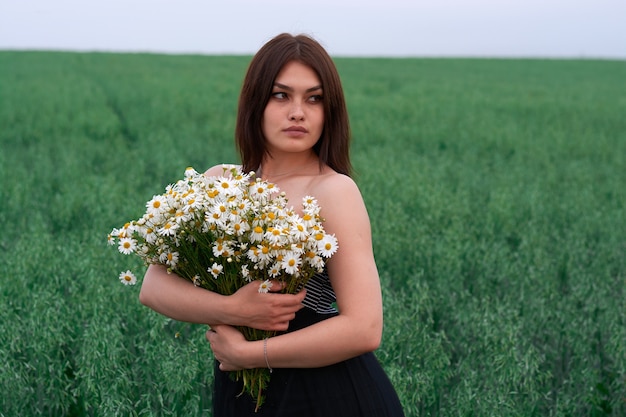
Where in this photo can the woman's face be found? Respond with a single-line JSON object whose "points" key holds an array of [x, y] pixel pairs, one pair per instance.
{"points": [[293, 119]]}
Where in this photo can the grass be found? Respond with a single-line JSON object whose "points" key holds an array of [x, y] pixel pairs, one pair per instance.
{"points": [[496, 189]]}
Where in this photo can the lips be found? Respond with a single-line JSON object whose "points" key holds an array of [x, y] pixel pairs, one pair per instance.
{"points": [[296, 129]]}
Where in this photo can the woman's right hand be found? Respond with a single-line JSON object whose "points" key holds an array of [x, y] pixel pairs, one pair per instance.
{"points": [[265, 311], [179, 299]]}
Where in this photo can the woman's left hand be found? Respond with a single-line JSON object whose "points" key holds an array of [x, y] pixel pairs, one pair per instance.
{"points": [[227, 344]]}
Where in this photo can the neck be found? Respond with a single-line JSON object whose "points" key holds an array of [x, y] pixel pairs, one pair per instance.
{"points": [[271, 168]]}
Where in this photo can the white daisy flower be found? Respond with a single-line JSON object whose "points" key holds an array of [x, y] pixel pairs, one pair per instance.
{"points": [[169, 258], [212, 194], [245, 273], [327, 246], [240, 227], [257, 234], [274, 235], [259, 190], [120, 233], [127, 245], [215, 269], [128, 278], [309, 205], [308, 220], [291, 263], [213, 218], [265, 286], [157, 204], [168, 229], [264, 253], [182, 216], [244, 206], [227, 186], [273, 188], [220, 211], [192, 204], [299, 231], [196, 280], [190, 173], [253, 254], [274, 271], [221, 248], [317, 262], [241, 178], [149, 234], [297, 248]]}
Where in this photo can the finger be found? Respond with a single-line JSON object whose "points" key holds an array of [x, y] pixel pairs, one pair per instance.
{"points": [[209, 334], [216, 328], [301, 295], [276, 286]]}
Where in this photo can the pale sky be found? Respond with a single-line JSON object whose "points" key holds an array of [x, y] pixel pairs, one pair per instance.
{"points": [[471, 28]]}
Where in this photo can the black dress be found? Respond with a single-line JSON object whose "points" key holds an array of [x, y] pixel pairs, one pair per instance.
{"points": [[357, 387]]}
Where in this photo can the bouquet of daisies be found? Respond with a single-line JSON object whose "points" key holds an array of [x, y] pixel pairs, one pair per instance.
{"points": [[224, 232]]}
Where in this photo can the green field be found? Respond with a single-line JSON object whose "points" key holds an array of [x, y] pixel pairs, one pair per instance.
{"points": [[496, 190]]}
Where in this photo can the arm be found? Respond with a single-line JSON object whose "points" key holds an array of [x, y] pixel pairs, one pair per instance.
{"points": [[179, 299], [352, 270]]}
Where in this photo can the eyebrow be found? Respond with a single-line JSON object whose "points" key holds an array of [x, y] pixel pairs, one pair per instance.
{"points": [[286, 87]]}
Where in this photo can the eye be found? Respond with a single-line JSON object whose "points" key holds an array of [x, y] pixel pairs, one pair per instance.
{"points": [[317, 98], [279, 95]]}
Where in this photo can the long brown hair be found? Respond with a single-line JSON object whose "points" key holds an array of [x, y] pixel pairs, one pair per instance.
{"points": [[333, 146]]}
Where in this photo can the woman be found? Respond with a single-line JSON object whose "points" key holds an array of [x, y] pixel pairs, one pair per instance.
{"points": [[292, 130]]}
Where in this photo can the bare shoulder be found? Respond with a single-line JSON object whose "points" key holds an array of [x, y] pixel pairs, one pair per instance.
{"points": [[219, 170], [334, 183], [337, 192]]}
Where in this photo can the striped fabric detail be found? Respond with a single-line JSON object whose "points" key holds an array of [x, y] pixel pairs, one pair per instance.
{"points": [[320, 295]]}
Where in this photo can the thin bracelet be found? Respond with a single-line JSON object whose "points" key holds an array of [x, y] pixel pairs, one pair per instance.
{"points": [[265, 354]]}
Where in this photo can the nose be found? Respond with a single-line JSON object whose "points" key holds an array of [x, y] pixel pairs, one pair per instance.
{"points": [[296, 112]]}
